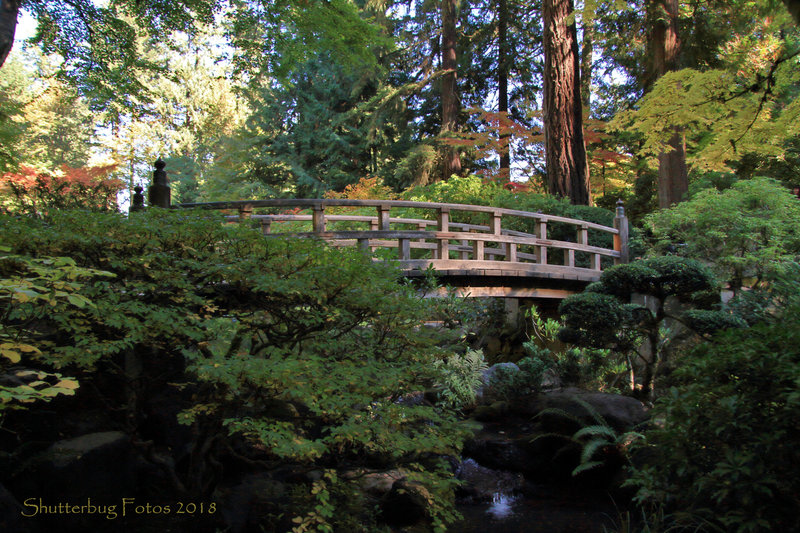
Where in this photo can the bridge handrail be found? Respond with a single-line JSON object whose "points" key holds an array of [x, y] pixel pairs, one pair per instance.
{"points": [[470, 241], [336, 202], [367, 218]]}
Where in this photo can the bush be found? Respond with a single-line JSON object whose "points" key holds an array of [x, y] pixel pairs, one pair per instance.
{"points": [[291, 350], [603, 317], [33, 289], [742, 232], [508, 383], [34, 192], [724, 451]]}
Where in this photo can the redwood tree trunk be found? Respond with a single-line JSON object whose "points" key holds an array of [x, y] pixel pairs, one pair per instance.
{"points": [[9, 10], [586, 65], [673, 174], [794, 9], [452, 161], [565, 150], [502, 80]]}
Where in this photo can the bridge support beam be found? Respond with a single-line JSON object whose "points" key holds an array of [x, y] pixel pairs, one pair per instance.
{"points": [[511, 306]]}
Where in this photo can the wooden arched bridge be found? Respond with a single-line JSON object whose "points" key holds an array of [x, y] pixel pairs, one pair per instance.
{"points": [[488, 252], [481, 251]]}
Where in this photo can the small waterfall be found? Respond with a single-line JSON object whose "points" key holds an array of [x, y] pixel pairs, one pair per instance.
{"points": [[501, 506]]}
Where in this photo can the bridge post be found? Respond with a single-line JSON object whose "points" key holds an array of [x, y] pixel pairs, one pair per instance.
{"points": [[511, 252], [158, 194], [496, 225], [477, 250], [421, 227], [583, 237], [621, 238], [383, 217], [541, 233], [137, 201], [245, 211], [404, 249], [319, 218], [444, 226]]}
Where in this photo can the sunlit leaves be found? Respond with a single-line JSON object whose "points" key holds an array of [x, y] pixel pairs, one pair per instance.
{"points": [[743, 231]]}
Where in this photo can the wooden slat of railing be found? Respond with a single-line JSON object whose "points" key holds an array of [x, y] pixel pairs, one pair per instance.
{"points": [[420, 223], [509, 269], [456, 236]]}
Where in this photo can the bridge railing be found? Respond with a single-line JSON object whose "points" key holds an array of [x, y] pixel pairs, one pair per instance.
{"points": [[436, 240]]}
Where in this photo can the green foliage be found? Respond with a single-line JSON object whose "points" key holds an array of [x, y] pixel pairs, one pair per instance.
{"points": [[461, 378], [308, 135], [603, 317], [598, 442], [299, 349], [509, 383], [277, 36], [658, 276], [44, 122], [722, 451], [744, 120], [744, 231], [99, 43], [595, 320], [583, 367], [33, 290], [767, 301]]}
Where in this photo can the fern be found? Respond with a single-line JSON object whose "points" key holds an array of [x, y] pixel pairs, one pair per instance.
{"points": [[461, 378], [590, 438]]}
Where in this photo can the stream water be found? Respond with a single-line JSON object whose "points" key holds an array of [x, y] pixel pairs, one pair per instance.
{"points": [[552, 511]]}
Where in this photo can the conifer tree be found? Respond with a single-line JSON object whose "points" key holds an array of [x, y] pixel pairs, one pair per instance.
{"points": [[567, 166]]}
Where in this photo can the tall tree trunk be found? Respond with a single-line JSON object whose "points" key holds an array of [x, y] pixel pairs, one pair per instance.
{"points": [[565, 150], [452, 161], [9, 10], [586, 64], [794, 9], [502, 81], [673, 174]]}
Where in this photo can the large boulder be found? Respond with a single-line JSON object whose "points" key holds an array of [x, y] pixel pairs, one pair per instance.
{"points": [[249, 502], [10, 512], [482, 484], [95, 465], [406, 503], [622, 413], [532, 435], [489, 374]]}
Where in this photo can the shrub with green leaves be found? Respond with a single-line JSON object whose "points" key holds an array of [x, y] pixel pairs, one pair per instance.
{"points": [[294, 350], [33, 289], [509, 383], [593, 368], [604, 317], [724, 451], [743, 232]]}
